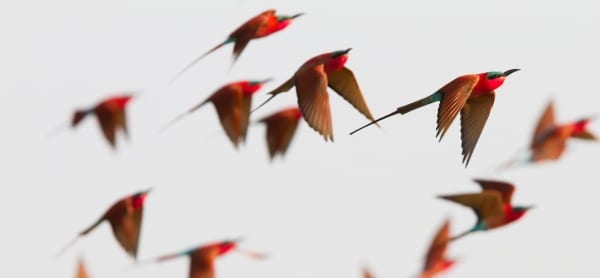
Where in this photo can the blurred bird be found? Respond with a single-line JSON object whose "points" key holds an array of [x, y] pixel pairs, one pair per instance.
{"points": [[81, 270], [472, 95], [311, 81], [281, 127], [202, 258], [435, 260], [492, 206], [233, 102], [110, 114], [125, 218], [549, 138], [259, 26]]}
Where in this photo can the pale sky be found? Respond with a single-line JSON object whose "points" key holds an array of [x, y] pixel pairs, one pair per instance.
{"points": [[326, 209]]}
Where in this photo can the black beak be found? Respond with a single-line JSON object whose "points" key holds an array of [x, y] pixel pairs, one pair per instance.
{"points": [[510, 71], [297, 15]]}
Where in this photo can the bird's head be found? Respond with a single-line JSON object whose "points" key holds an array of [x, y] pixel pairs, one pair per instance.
{"points": [[252, 86], [581, 124], [337, 60], [224, 247], [284, 21], [138, 198], [518, 212], [495, 79]]}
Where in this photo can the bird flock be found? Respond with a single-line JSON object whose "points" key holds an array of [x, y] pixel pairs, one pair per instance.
{"points": [[471, 95]]}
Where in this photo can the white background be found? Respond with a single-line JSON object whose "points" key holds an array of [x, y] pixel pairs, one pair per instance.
{"points": [[326, 209]]}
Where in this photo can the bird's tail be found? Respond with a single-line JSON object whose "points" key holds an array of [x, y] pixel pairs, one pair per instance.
{"points": [[178, 118], [419, 103], [460, 235], [375, 121], [405, 109], [82, 233], [75, 120], [195, 61], [520, 158], [264, 102]]}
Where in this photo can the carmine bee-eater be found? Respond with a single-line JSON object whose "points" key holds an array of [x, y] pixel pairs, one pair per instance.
{"points": [[259, 26], [550, 138], [125, 219], [281, 127], [493, 206], [110, 114], [202, 258], [472, 95], [311, 81], [232, 102], [436, 261]]}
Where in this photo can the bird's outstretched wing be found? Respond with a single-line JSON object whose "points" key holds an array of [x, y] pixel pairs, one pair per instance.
{"points": [[505, 189], [545, 122], [313, 100], [344, 83], [473, 116], [484, 204], [454, 97]]}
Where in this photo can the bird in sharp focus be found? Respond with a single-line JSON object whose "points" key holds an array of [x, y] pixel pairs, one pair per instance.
{"points": [[472, 95]]}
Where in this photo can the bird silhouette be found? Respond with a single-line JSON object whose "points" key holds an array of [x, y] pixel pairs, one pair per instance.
{"points": [[493, 206], [311, 81], [281, 127], [262, 25], [111, 116], [232, 102], [472, 95], [125, 218]]}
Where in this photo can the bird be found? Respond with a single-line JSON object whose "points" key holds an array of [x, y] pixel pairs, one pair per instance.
{"points": [[281, 127], [232, 102], [492, 206], [262, 25], [366, 273], [111, 116], [549, 139], [311, 81], [125, 218], [436, 261], [202, 258], [472, 95], [81, 270]]}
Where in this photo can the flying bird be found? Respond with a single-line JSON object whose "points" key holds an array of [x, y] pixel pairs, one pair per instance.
{"points": [[262, 25], [549, 138], [281, 127], [436, 261], [492, 206], [125, 218], [110, 114], [232, 102], [311, 81], [472, 95], [202, 258]]}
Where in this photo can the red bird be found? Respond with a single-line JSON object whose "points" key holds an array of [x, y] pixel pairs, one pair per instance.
{"points": [[259, 26], [311, 81], [125, 218], [110, 114], [233, 102], [549, 139], [202, 258], [493, 206], [435, 260], [281, 127], [472, 95]]}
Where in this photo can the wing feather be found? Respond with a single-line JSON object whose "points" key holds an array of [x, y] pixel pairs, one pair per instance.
{"points": [[473, 117]]}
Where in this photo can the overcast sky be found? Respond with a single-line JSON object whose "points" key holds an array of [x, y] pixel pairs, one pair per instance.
{"points": [[326, 209]]}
